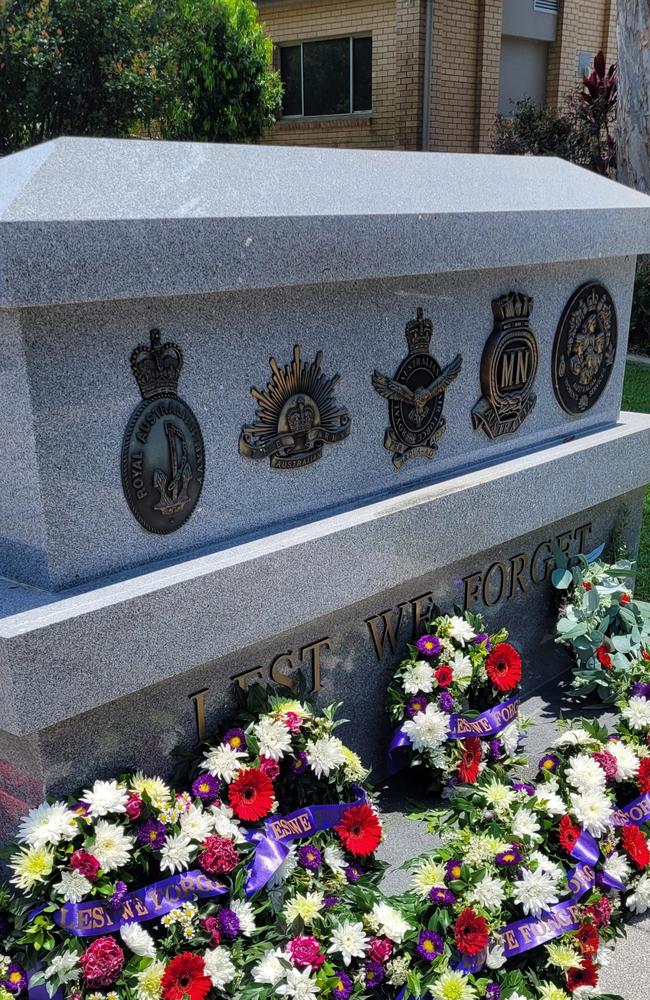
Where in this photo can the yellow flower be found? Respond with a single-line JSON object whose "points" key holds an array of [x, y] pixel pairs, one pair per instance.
{"points": [[354, 769], [427, 875], [155, 788], [307, 907], [31, 866], [551, 992], [149, 981], [563, 956], [452, 986]]}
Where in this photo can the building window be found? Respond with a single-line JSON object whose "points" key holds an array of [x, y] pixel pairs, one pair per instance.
{"points": [[329, 77]]}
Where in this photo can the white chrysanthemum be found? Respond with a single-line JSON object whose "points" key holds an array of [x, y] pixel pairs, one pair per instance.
{"points": [[639, 900], [573, 738], [510, 739], [460, 630], [286, 869], [617, 866], [73, 886], [563, 956], [463, 670], [219, 967], [105, 797], [452, 986], [224, 762], [325, 755], [298, 985], [245, 914], [64, 968], [418, 678], [499, 796], [544, 864], [197, 823], [31, 865], [334, 858], [273, 737], [535, 891], [149, 981], [428, 730], [549, 991], [271, 968], [481, 847], [49, 823], [488, 893], [176, 853], [525, 824], [155, 788], [627, 762], [305, 907], [593, 811], [390, 922], [426, 875], [548, 798], [111, 846], [495, 956], [348, 940], [637, 713], [224, 824], [138, 940], [585, 774]]}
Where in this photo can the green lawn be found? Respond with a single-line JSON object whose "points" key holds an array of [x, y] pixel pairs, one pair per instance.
{"points": [[636, 396]]}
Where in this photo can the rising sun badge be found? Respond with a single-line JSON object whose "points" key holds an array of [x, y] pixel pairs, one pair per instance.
{"points": [[296, 415]]}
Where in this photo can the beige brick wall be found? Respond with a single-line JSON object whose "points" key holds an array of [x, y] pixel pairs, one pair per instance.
{"points": [[583, 26], [455, 68]]}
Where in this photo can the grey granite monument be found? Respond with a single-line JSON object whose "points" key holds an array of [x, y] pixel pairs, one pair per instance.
{"points": [[435, 345]]}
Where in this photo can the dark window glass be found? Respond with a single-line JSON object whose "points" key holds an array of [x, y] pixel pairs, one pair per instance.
{"points": [[362, 74], [291, 78], [326, 74]]}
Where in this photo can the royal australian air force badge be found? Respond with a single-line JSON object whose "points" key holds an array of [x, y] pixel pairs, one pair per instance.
{"points": [[416, 396], [163, 458]]}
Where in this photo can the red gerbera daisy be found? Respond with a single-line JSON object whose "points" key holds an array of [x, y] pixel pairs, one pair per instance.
{"points": [[469, 766], [568, 834], [587, 975], [444, 675], [635, 845], [643, 777], [503, 666], [359, 830], [251, 794], [603, 657], [185, 977], [470, 932], [588, 939]]}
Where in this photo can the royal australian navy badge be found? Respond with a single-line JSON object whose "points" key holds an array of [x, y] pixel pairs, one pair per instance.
{"points": [[163, 458], [416, 396]]}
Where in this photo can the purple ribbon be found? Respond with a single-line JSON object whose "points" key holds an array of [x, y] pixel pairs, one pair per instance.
{"points": [[91, 918], [271, 844], [586, 849], [635, 813]]}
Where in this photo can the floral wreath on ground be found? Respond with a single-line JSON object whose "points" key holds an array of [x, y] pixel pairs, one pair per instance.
{"points": [[130, 890], [605, 628], [455, 700]]}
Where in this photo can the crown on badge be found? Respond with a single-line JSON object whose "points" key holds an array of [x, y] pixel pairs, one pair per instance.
{"points": [[419, 332], [157, 367], [514, 305], [592, 300]]}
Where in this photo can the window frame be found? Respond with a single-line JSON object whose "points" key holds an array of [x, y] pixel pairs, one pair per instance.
{"points": [[343, 114]]}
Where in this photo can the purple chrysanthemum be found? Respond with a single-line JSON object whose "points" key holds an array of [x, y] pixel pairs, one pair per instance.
{"points": [[298, 764], [493, 992], [417, 703], [641, 690], [482, 637], [235, 738], [523, 786], [429, 945], [429, 645], [452, 869], [509, 858], [153, 834], [441, 896], [374, 973], [353, 873], [116, 901], [342, 987], [549, 762], [228, 922], [496, 749], [330, 901], [446, 702], [309, 858], [206, 787], [16, 978]]}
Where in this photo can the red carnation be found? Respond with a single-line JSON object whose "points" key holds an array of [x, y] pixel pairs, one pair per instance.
{"points": [[469, 766], [600, 912], [359, 830], [85, 863], [444, 675], [102, 962], [251, 794], [503, 666], [470, 932], [588, 939], [380, 949], [587, 975], [643, 776], [568, 834], [608, 763], [635, 845], [625, 599], [184, 978], [305, 951], [211, 926], [603, 657], [269, 767], [219, 855]]}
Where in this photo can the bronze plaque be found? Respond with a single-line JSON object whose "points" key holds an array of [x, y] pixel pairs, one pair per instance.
{"points": [[296, 415], [416, 395], [584, 348], [163, 458], [508, 368]]}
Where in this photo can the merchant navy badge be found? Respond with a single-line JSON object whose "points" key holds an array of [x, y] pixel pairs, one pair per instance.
{"points": [[416, 396], [584, 348], [296, 415], [508, 368], [163, 458]]}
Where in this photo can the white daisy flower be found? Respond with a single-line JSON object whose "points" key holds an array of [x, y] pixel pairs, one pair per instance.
{"points": [[49, 823], [593, 811], [626, 760], [298, 985], [428, 730], [617, 866], [452, 986], [197, 823], [138, 940], [460, 630], [324, 755], [535, 892], [306, 907], [488, 893], [223, 762], [525, 824], [390, 922], [219, 967], [73, 886], [155, 788], [30, 866], [585, 774], [637, 713], [418, 678], [348, 940], [245, 915], [176, 853], [499, 796], [271, 968], [274, 739], [111, 845], [639, 900], [105, 797]]}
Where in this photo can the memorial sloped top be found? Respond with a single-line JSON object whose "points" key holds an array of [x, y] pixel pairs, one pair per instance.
{"points": [[88, 219]]}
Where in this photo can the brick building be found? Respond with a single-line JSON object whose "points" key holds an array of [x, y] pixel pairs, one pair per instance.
{"points": [[425, 74]]}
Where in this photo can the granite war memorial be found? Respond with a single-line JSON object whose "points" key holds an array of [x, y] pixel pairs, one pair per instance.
{"points": [[265, 408]]}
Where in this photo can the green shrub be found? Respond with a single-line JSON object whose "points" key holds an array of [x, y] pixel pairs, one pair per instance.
{"points": [[640, 318]]}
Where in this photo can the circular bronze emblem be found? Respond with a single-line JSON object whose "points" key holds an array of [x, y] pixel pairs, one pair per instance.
{"points": [[584, 348]]}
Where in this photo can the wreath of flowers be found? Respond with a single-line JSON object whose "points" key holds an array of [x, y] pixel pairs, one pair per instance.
{"points": [[455, 674]]}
